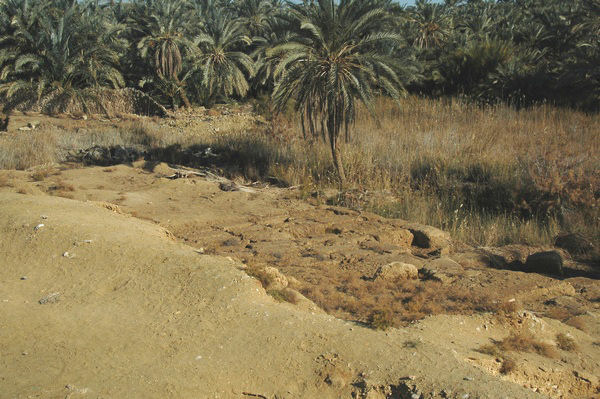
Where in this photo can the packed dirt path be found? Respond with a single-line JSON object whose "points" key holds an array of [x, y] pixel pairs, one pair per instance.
{"points": [[121, 294]]}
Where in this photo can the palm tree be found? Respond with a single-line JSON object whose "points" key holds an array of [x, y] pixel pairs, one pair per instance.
{"points": [[254, 15], [336, 59], [163, 42], [54, 48], [432, 24], [222, 68], [265, 61]]}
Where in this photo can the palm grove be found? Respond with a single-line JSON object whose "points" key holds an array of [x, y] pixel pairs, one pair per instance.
{"points": [[322, 57]]}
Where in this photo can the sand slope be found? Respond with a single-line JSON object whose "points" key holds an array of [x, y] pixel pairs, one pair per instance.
{"points": [[143, 316]]}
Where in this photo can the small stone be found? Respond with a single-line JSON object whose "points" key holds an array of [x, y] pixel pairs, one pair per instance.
{"points": [[44, 217], [395, 270], [51, 298], [277, 281], [66, 254]]}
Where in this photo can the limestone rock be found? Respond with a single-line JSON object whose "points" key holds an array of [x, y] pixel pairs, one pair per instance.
{"points": [[549, 262], [397, 270], [442, 269], [429, 237], [399, 237], [277, 281]]}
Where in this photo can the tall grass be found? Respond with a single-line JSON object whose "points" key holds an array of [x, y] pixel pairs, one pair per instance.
{"points": [[489, 175]]}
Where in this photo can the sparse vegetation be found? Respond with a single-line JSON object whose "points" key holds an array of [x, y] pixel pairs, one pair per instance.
{"points": [[518, 341], [508, 366], [566, 342], [381, 319], [5, 181], [284, 295], [577, 322], [391, 303], [502, 192], [524, 341]]}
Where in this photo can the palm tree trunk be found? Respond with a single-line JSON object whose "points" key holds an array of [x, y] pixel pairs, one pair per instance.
{"points": [[337, 162], [336, 154], [184, 97]]}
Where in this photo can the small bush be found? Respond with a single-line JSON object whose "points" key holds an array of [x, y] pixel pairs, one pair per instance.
{"points": [[40, 175], [5, 181], [524, 341], [508, 365], [578, 322], [260, 275], [284, 295], [490, 349], [381, 319], [566, 342]]}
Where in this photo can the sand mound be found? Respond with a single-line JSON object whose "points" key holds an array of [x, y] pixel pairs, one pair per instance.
{"points": [[131, 313]]}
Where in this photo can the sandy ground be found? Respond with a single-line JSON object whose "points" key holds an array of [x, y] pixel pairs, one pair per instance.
{"points": [[140, 313]]}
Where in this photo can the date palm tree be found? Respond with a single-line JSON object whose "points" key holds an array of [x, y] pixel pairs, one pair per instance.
{"points": [[432, 24], [338, 57], [223, 68], [163, 42], [54, 48]]}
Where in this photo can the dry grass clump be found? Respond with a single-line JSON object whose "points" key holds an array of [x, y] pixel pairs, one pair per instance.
{"points": [[508, 365], [284, 295], [519, 341], [524, 341], [578, 322], [381, 319], [345, 294], [566, 342], [5, 181]]}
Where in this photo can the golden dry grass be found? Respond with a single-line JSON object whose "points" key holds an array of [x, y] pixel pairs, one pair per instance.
{"points": [[386, 303], [578, 322], [524, 341], [508, 365], [488, 175], [521, 340], [566, 342]]}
